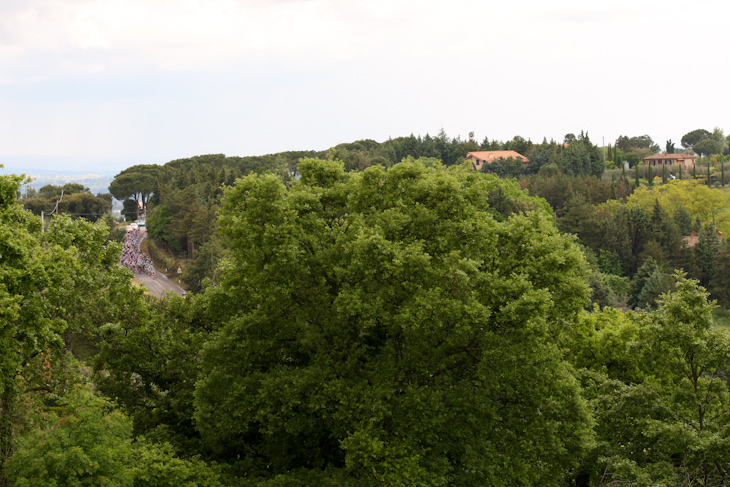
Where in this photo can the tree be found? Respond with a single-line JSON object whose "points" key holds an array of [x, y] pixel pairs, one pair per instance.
{"points": [[50, 283], [691, 138], [88, 445], [706, 251], [720, 284], [136, 182], [722, 174], [390, 330], [708, 147], [670, 147], [650, 176], [656, 383], [76, 201], [648, 276], [683, 220]]}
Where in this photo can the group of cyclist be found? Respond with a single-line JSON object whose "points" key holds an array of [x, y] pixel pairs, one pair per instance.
{"points": [[133, 258]]}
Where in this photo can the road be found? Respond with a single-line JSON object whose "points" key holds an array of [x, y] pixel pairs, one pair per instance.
{"points": [[160, 284]]}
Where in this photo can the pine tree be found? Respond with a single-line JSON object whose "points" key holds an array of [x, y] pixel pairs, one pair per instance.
{"points": [[706, 249], [683, 220], [697, 228], [720, 284], [646, 270]]}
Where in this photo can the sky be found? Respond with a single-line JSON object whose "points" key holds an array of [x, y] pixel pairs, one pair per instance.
{"points": [[103, 84]]}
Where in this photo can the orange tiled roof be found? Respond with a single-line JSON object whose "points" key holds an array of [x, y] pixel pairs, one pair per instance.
{"points": [[691, 241], [494, 155], [672, 157]]}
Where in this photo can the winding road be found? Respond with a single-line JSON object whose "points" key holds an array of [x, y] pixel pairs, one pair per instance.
{"points": [[160, 284]]}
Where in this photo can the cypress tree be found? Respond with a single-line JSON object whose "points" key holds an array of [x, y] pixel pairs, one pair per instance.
{"points": [[680, 171], [664, 174], [613, 187], [709, 181], [722, 174], [636, 174], [650, 176]]}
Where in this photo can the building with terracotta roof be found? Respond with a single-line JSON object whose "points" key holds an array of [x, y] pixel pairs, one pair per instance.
{"points": [[686, 160], [478, 158], [693, 239]]}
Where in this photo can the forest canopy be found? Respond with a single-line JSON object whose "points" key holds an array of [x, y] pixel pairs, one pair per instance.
{"points": [[419, 324]]}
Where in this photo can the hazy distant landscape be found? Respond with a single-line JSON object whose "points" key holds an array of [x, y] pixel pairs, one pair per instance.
{"points": [[94, 173]]}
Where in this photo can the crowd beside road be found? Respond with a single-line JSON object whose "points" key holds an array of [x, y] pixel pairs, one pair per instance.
{"points": [[133, 258]]}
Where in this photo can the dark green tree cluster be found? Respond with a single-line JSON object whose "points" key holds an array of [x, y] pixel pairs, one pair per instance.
{"points": [[657, 383], [647, 246], [384, 327], [180, 200], [418, 325], [72, 198], [632, 149], [577, 156]]}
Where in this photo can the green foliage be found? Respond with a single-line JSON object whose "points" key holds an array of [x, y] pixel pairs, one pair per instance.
{"points": [[655, 381], [157, 465], [388, 329], [130, 210], [201, 272], [691, 138], [76, 201], [65, 279], [647, 285], [160, 225], [720, 283], [609, 263], [148, 363], [137, 183], [86, 444]]}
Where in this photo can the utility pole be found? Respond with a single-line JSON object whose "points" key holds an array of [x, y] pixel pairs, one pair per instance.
{"points": [[55, 209]]}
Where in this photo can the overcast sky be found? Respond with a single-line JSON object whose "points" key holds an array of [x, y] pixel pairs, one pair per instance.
{"points": [[156, 80]]}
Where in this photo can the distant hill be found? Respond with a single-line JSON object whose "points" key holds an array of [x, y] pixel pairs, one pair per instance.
{"points": [[97, 183], [67, 165]]}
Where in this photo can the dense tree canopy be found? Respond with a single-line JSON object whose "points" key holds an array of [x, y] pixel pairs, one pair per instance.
{"points": [[50, 283], [390, 329], [138, 183], [72, 198], [691, 138], [365, 322]]}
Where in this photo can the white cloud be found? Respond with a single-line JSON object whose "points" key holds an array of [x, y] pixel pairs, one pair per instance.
{"points": [[190, 76]]}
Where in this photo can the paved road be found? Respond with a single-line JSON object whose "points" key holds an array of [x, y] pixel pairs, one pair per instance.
{"points": [[160, 284]]}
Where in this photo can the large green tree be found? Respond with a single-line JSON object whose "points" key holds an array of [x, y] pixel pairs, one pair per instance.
{"points": [[138, 183], [691, 138], [657, 384], [50, 283], [387, 329]]}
